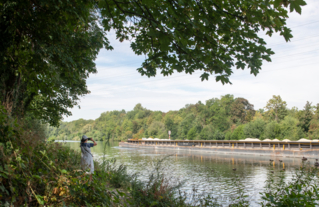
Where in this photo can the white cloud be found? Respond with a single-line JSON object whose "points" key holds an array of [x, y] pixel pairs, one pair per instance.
{"points": [[292, 74]]}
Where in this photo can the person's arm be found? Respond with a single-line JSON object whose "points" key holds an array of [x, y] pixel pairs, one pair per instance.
{"points": [[93, 142]]}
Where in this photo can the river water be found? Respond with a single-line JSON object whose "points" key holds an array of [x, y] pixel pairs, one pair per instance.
{"points": [[208, 172]]}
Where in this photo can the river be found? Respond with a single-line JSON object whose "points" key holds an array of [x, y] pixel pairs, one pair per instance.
{"points": [[208, 172]]}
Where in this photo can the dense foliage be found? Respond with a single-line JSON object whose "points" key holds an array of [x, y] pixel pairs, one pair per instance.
{"points": [[47, 51], [225, 118], [48, 47], [211, 35], [36, 173]]}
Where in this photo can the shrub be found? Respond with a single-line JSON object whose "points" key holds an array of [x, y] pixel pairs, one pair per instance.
{"points": [[228, 135], [255, 129], [36, 173], [272, 130], [156, 128], [238, 133], [301, 190], [290, 130], [207, 133], [191, 133], [313, 132], [128, 135], [159, 190], [218, 135], [117, 176]]}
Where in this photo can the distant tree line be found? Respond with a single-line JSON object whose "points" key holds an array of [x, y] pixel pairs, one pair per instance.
{"points": [[225, 118]]}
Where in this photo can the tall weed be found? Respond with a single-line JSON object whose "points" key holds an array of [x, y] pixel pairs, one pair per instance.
{"points": [[300, 190], [117, 175], [36, 173], [158, 190]]}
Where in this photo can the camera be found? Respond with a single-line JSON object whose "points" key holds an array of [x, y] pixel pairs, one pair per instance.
{"points": [[89, 139]]}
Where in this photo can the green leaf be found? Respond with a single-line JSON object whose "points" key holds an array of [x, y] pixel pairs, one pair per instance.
{"points": [[296, 5], [154, 203], [36, 176], [277, 3], [120, 193], [64, 171], [40, 199]]}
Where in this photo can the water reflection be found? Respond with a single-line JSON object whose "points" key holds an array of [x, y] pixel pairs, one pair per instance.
{"points": [[208, 172]]}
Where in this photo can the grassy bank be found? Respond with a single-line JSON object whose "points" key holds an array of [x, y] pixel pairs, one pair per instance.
{"points": [[35, 173]]}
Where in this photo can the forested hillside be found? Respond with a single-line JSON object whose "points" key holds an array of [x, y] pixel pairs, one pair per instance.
{"points": [[216, 119]]}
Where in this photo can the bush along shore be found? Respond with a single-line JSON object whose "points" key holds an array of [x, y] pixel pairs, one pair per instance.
{"points": [[38, 173]]}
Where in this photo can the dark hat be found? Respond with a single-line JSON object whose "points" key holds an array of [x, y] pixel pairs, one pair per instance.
{"points": [[84, 137]]}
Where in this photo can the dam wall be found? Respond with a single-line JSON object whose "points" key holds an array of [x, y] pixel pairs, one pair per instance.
{"points": [[254, 148]]}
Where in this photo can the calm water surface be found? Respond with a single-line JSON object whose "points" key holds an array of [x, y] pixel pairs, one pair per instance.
{"points": [[208, 172]]}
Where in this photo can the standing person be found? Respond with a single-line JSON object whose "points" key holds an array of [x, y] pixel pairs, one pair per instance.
{"points": [[86, 155]]}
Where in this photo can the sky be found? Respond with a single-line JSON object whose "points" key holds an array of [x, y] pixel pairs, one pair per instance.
{"points": [[292, 74]]}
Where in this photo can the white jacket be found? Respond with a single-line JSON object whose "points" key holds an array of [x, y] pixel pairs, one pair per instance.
{"points": [[87, 157]]}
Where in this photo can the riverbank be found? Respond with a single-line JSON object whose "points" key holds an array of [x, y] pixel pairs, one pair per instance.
{"points": [[50, 175], [38, 173], [54, 179]]}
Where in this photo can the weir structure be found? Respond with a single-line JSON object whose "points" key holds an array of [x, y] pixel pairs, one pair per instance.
{"points": [[272, 148]]}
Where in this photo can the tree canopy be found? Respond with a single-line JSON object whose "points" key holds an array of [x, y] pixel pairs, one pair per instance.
{"points": [[47, 52], [209, 35], [277, 108], [48, 47]]}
